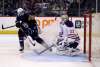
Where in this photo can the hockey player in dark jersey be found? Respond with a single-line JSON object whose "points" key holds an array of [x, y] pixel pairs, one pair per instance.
{"points": [[27, 27]]}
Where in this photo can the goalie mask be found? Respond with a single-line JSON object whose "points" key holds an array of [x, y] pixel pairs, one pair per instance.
{"points": [[64, 17], [20, 11]]}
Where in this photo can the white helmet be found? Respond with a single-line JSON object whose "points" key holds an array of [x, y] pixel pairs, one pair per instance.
{"points": [[64, 17], [20, 11]]}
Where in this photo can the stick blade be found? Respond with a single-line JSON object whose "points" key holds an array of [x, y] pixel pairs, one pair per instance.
{"points": [[2, 26]]}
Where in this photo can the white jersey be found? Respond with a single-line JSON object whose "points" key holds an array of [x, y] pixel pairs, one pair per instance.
{"points": [[69, 33]]}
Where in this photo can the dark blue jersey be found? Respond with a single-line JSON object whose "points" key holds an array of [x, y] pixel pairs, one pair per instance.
{"points": [[24, 19]]}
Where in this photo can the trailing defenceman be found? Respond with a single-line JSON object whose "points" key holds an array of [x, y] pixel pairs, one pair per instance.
{"points": [[68, 39], [27, 27]]}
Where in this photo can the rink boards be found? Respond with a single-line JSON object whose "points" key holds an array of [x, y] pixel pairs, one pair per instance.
{"points": [[43, 22], [48, 22]]}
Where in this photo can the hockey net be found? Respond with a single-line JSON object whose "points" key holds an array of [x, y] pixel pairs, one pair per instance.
{"points": [[88, 30], [92, 36], [83, 26]]}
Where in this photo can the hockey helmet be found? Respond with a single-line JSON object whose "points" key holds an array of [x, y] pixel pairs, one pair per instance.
{"points": [[20, 11]]}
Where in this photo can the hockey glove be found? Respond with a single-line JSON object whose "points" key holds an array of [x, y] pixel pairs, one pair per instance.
{"points": [[18, 25]]}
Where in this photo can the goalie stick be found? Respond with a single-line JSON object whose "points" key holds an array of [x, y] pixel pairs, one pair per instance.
{"points": [[45, 49]]}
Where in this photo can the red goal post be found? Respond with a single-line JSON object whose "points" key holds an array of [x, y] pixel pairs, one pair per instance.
{"points": [[89, 16]]}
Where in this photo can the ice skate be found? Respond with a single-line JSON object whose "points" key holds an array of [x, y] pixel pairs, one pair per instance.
{"points": [[21, 50]]}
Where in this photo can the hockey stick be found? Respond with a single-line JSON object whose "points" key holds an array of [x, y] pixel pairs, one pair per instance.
{"points": [[7, 27], [40, 31]]}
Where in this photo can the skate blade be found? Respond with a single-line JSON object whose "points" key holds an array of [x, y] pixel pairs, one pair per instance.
{"points": [[21, 52]]}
